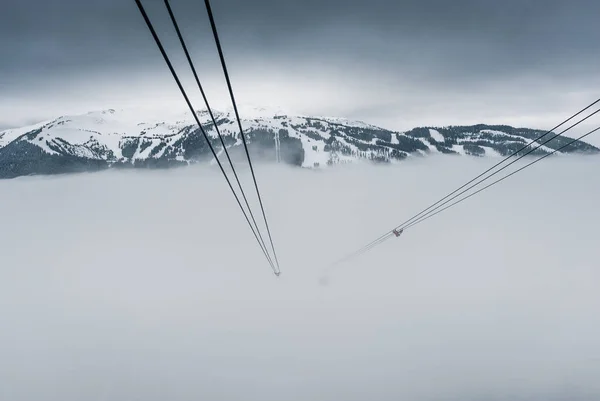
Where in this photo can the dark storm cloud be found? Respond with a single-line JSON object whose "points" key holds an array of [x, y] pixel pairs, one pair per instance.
{"points": [[40, 37], [451, 38], [365, 59]]}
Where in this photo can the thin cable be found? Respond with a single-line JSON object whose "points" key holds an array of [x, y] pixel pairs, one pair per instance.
{"points": [[193, 68], [501, 179], [221, 56], [388, 235], [166, 57], [364, 249], [502, 161], [509, 164], [404, 224]]}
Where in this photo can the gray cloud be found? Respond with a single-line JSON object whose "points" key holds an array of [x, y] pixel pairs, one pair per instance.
{"points": [[470, 33], [431, 47]]}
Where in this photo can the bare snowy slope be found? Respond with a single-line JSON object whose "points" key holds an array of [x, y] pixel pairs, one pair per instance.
{"points": [[111, 138]]}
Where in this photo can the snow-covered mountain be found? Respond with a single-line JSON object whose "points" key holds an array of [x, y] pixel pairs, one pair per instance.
{"points": [[111, 138]]}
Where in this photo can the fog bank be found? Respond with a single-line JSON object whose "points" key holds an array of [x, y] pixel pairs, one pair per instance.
{"points": [[148, 285]]}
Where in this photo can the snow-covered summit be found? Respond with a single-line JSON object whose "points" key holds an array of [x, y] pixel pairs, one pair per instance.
{"points": [[132, 138]]}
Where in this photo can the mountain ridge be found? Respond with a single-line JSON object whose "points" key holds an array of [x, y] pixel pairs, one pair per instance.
{"points": [[124, 139]]}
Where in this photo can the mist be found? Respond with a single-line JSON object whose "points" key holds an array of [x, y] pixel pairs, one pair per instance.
{"points": [[148, 285]]}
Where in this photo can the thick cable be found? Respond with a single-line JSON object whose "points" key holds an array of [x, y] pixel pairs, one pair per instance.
{"points": [[193, 68], [224, 66], [168, 61]]}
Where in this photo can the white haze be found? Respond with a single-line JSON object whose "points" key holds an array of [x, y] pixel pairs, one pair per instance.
{"points": [[147, 285]]}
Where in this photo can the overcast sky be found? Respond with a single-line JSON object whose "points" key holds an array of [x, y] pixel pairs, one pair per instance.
{"points": [[395, 63]]}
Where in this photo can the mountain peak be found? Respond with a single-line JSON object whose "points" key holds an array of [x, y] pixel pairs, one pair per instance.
{"points": [[130, 138], [249, 111]]}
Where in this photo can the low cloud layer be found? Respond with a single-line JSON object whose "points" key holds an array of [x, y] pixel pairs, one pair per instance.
{"points": [[148, 285]]}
